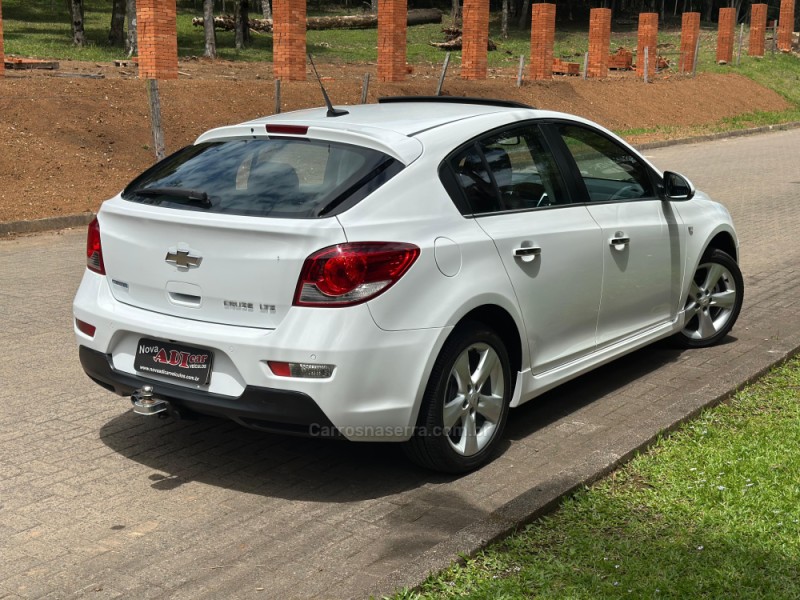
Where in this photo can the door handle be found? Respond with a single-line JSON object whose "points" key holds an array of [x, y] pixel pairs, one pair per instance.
{"points": [[619, 240], [527, 252]]}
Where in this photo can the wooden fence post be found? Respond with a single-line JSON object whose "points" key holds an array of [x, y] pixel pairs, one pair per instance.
{"points": [[155, 118]]}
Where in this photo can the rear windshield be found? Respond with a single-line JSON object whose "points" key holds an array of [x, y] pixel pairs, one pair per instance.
{"points": [[289, 178]]}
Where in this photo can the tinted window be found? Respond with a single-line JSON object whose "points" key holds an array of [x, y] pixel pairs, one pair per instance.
{"points": [[524, 170], [508, 171], [475, 181], [609, 171], [275, 178]]}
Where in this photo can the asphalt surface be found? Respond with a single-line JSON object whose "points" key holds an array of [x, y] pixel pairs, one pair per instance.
{"points": [[96, 501]]}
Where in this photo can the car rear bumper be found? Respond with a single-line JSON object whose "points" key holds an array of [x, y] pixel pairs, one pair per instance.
{"points": [[261, 408], [373, 393]]}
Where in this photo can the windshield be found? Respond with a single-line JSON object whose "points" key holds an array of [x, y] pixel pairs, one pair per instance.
{"points": [[290, 178]]}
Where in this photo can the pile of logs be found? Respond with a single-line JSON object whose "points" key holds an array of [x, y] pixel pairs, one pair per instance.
{"points": [[453, 40], [419, 16]]}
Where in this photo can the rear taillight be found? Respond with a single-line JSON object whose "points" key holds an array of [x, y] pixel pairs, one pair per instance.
{"points": [[94, 249], [349, 274]]}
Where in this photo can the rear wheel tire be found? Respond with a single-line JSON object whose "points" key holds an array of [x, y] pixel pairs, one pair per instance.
{"points": [[465, 406], [714, 301]]}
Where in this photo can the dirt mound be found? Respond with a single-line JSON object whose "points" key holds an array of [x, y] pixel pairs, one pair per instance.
{"points": [[68, 143]]}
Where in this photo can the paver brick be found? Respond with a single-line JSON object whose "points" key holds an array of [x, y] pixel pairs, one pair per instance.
{"points": [[91, 495]]}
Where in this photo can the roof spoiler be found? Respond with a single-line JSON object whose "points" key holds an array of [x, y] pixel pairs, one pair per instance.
{"points": [[454, 100]]}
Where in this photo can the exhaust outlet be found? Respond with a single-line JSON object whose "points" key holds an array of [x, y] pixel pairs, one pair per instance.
{"points": [[145, 404]]}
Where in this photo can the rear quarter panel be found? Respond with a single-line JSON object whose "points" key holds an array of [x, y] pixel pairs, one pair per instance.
{"points": [[414, 207]]}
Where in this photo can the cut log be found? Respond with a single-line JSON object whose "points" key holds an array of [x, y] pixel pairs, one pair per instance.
{"points": [[418, 16], [455, 44]]}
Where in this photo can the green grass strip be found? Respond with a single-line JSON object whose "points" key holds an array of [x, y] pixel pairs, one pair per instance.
{"points": [[712, 511]]}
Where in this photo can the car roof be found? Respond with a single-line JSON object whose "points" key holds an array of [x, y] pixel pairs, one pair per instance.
{"points": [[391, 126], [405, 118]]}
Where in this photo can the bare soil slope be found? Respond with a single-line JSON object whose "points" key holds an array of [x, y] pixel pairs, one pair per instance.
{"points": [[67, 142]]}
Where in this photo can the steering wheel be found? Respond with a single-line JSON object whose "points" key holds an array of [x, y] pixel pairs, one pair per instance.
{"points": [[622, 192]]}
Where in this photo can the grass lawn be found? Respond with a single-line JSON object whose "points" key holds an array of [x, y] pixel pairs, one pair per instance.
{"points": [[713, 511]]}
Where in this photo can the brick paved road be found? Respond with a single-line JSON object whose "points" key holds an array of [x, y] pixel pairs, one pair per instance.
{"points": [[97, 502]]}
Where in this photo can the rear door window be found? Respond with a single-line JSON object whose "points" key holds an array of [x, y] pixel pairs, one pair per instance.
{"points": [[509, 170], [265, 178]]}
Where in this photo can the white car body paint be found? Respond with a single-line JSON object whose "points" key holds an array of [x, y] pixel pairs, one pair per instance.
{"points": [[575, 306]]}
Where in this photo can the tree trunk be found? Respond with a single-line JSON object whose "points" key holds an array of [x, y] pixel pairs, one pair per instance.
{"points": [[116, 35], [504, 21], [708, 9], [208, 28], [373, 7], [266, 9], [455, 12], [524, 15], [132, 40], [76, 14], [241, 23]]}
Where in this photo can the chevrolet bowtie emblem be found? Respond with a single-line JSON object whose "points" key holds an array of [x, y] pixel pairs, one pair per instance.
{"points": [[183, 259]]}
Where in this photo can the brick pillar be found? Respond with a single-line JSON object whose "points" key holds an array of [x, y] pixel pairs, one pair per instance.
{"points": [[392, 24], [289, 39], [543, 32], [785, 26], [475, 18], [157, 38], [599, 42], [758, 28], [648, 38], [2, 54], [690, 32], [727, 26]]}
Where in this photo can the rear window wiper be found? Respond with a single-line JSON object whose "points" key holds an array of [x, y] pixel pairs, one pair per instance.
{"points": [[198, 196]]}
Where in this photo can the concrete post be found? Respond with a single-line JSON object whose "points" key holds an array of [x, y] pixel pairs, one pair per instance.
{"points": [[2, 54], [785, 26], [157, 38], [475, 39], [647, 39], [392, 25], [599, 41], [289, 39], [543, 31], [690, 32], [725, 34], [758, 29]]}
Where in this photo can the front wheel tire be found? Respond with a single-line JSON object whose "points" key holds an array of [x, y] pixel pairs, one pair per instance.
{"points": [[714, 301], [465, 406]]}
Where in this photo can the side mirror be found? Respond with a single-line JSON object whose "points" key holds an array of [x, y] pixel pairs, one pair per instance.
{"points": [[677, 187]]}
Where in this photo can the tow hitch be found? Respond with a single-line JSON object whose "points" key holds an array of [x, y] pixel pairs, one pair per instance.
{"points": [[145, 404]]}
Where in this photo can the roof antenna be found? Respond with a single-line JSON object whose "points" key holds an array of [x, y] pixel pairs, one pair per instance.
{"points": [[332, 112]]}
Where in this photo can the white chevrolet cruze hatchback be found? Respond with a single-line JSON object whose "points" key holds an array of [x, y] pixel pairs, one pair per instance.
{"points": [[402, 271]]}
